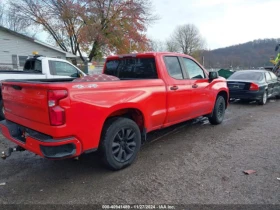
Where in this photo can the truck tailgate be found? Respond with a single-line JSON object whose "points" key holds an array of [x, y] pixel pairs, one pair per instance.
{"points": [[26, 101]]}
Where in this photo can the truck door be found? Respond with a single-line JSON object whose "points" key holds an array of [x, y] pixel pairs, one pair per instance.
{"points": [[178, 91], [200, 98]]}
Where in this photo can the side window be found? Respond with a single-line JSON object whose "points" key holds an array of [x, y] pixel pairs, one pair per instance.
{"points": [[63, 69], [173, 67], [268, 77], [273, 76], [194, 70], [38, 66]]}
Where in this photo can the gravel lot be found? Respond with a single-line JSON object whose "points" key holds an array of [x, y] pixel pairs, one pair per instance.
{"points": [[191, 163]]}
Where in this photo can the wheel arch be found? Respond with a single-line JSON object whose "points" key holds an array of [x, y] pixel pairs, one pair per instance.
{"points": [[134, 114], [224, 94]]}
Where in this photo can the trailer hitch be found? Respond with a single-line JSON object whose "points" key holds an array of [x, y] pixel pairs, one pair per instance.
{"points": [[8, 153]]}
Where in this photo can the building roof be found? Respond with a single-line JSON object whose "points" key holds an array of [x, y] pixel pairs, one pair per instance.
{"points": [[68, 55]]}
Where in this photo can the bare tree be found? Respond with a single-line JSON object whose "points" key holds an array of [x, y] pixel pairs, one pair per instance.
{"points": [[188, 39], [16, 23], [171, 46], [10, 20], [157, 45], [2, 9]]}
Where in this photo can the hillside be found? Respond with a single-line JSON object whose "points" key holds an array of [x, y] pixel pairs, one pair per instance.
{"points": [[252, 54]]}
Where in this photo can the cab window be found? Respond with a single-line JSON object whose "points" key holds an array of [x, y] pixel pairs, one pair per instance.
{"points": [[173, 67], [60, 68], [193, 69], [132, 68]]}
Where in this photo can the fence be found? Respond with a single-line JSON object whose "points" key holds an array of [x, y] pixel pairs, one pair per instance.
{"points": [[91, 69], [9, 66]]}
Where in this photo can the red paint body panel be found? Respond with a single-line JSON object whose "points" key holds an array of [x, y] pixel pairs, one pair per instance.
{"points": [[33, 144], [87, 107]]}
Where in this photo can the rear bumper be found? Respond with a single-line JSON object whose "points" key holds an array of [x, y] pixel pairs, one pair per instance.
{"points": [[39, 143], [250, 95]]}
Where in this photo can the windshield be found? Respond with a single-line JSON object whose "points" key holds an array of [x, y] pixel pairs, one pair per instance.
{"points": [[255, 76], [132, 68]]}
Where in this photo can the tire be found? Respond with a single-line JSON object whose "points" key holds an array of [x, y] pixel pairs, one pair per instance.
{"points": [[120, 143], [218, 113], [264, 99], [2, 116]]}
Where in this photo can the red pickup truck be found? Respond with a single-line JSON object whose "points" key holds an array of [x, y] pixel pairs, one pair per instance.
{"points": [[62, 118]]}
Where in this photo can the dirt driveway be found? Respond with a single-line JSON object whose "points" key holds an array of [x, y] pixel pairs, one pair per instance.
{"points": [[191, 163]]}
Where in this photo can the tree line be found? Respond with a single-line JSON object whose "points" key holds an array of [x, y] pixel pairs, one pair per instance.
{"points": [[91, 27], [249, 55], [96, 27], [184, 39]]}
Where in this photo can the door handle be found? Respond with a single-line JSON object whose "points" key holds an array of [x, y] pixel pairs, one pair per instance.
{"points": [[174, 87], [195, 86]]}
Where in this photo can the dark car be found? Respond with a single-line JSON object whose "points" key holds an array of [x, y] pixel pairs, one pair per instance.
{"points": [[253, 85]]}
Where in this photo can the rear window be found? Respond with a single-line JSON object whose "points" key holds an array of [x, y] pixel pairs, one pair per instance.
{"points": [[132, 68], [33, 65], [256, 76]]}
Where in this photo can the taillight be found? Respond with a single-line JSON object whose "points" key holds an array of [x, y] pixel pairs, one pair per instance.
{"points": [[56, 113], [254, 87]]}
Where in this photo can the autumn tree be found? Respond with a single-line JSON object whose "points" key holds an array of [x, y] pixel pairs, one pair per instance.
{"points": [[94, 27], [187, 39]]}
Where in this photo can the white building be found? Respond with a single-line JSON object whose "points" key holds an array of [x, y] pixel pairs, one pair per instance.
{"points": [[15, 48]]}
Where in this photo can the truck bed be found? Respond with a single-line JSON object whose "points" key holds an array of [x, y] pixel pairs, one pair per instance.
{"points": [[41, 80]]}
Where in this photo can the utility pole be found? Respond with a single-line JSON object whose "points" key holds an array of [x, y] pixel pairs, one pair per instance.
{"points": [[130, 41], [202, 60]]}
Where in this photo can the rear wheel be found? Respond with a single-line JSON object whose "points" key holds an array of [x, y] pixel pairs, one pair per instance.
{"points": [[264, 99], [2, 111], [120, 144], [218, 113]]}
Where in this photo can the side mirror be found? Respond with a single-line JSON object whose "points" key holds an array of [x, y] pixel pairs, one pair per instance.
{"points": [[213, 75]]}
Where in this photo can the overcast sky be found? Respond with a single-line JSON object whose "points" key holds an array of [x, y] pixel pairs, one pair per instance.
{"points": [[221, 22]]}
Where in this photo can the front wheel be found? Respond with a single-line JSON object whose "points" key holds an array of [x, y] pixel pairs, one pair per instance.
{"points": [[120, 143], [218, 113], [2, 112], [264, 99]]}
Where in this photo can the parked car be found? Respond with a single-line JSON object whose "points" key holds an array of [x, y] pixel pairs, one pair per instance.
{"points": [[253, 85], [39, 67], [63, 119]]}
